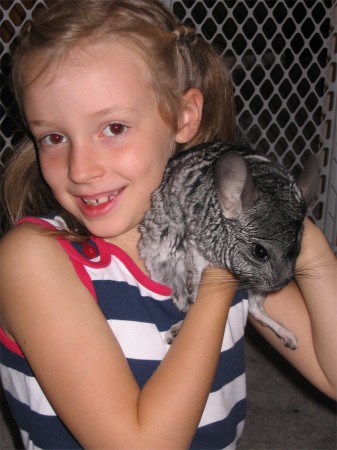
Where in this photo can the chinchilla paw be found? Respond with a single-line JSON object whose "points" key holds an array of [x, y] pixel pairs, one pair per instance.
{"points": [[172, 333]]}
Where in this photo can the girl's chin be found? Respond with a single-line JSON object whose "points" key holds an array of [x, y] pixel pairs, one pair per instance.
{"points": [[108, 229]]}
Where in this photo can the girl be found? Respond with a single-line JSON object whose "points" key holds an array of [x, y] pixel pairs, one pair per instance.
{"points": [[109, 90]]}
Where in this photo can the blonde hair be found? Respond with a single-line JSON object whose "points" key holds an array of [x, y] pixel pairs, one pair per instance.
{"points": [[177, 59]]}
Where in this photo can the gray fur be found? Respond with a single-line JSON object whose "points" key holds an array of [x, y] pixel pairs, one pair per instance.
{"points": [[224, 205]]}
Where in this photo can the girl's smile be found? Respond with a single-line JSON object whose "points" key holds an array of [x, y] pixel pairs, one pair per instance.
{"points": [[99, 205], [102, 142]]}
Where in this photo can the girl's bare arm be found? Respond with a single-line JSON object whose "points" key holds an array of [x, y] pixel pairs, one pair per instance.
{"points": [[80, 364], [308, 307]]}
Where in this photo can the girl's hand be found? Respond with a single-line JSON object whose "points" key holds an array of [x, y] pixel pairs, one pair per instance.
{"points": [[215, 283]]}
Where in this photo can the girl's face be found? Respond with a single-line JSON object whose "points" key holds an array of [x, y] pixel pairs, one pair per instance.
{"points": [[102, 143]]}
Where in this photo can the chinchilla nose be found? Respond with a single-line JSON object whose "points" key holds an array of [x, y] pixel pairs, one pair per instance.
{"points": [[283, 277]]}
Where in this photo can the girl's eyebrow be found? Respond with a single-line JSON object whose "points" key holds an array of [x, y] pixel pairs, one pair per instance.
{"points": [[38, 123], [107, 111], [100, 113]]}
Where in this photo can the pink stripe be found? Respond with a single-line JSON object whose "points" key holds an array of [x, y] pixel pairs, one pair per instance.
{"points": [[76, 259], [106, 250], [10, 344], [35, 220], [146, 281], [83, 275]]}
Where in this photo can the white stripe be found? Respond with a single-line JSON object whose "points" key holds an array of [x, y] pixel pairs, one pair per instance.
{"points": [[139, 340], [142, 340], [239, 430], [57, 222], [220, 403], [26, 390], [117, 271], [235, 326], [27, 443]]}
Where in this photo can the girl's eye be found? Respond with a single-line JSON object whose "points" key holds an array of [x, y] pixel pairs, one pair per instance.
{"points": [[53, 139], [114, 129]]}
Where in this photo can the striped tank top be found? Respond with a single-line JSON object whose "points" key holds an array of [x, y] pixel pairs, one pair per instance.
{"points": [[139, 312]]}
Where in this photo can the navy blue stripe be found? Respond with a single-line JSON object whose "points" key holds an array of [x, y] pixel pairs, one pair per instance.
{"points": [[121, 301], [231, 365], [47, 432], [240, 295], [14, 361], [220, 434], [142, 369]]}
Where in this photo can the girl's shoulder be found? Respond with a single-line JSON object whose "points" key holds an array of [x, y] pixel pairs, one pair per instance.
{"points": [[25, 252], [26, 238], [28, 254], [22, 238], [38, 237], [34, 271]]}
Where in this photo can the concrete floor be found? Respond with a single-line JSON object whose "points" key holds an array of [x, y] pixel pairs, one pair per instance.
{"points": [[284, 411]]}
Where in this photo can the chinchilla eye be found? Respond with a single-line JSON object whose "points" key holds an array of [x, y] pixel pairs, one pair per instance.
{"points": [[260, 252]]}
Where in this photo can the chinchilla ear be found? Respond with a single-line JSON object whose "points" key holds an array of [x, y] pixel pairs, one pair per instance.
{"points": [[308, 180], [234, 185]]}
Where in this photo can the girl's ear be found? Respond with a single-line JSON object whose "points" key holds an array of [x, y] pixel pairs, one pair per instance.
{"points": [[190, 115]]}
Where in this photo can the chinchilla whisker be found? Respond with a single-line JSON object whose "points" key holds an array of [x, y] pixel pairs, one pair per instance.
{"points": [[309, 276], [312, 265]]}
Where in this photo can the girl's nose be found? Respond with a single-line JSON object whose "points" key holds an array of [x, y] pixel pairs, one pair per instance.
{"points": [[84, 164]]}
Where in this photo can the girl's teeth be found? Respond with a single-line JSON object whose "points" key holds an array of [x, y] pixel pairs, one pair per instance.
{"points": [[101, 200], [96, 201]]}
